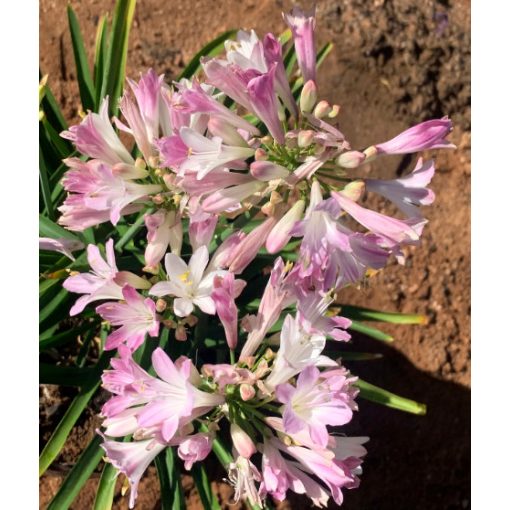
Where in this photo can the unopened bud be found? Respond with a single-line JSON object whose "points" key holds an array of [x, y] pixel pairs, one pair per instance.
{"points": [[153, 161], [275, 197], [268, 209], [158, 199], [267, 171], [140, 163], [152, 270], [322, 109], [269, 354], [191, 320], [351, 159], [226, 132], [354, 190], [262, 369], [267, 140], [160, 305], [169, 180], [159, 172], [335, 110], [308, 97], [281, 113], [370, 153], [247, 391], [305, 138], [242, 441], [260, 154], [180, 333], [169, 323]]}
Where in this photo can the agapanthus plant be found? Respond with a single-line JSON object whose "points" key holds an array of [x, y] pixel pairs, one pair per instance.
{"points": [[232, 217]]}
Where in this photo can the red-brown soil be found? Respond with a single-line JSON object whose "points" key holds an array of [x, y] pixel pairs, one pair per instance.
{"points": [[394, 63]]}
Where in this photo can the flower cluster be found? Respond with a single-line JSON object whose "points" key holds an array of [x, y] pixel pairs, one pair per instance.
{"points": [[245, 142]]}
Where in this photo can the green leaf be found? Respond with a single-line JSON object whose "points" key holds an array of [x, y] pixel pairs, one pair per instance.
{"points": [[52, 111], [172, 495], [211, 49], [370, 331], [285, 36], [106, 487], [85, 84], [100, 57], [366, 314], [62, 146], [117, 53], [380, 396], [65, 336], [48, 228], [203, 485], [63, 429], [78, 475], [132, 230], [45, 186], [53, 306], [64, 376], [359, 356]]}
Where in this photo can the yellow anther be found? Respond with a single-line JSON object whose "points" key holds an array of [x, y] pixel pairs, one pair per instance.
{"points": [[184, 277]]}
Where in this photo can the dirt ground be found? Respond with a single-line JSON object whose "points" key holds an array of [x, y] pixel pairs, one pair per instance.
{"points": [[395, 63]]}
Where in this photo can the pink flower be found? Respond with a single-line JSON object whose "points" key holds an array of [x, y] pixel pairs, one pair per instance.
{"points": [[280, 475], [409, 191], [277, 295], [228, 199], [298, 349], [100, 193], [104, 282], [61, 245], [177, 401], [201, 228], [164, 228], [303, 25], [204, 154], [132, 459], [279, 237], [194, 448], [96, 138], [248, 248], [397, 231], [188, 283], [243, 474], [225, 290], [312, 309], [312, 405], [430, 134], [242, 441], [136, 317]]}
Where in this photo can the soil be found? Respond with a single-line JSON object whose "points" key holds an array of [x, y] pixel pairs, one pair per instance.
{"points": [[395, 63]]}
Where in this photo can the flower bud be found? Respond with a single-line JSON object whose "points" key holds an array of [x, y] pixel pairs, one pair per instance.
{"points": [[180, 333], [267, 171], [260, 154], [158, 199], [268, 140], [354, 190], [160, 305], [308, 97], [370, 153], [226, 132], [335, 110], [242, 441], [322, 109], [268, 208], [247, 391], [351, 159], [280, 235], [305, 138]]}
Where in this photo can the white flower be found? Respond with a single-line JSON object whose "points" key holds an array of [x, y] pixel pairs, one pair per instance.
{"points": [[188, 283]]}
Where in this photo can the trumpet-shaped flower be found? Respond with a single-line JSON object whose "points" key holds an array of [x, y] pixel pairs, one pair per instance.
{"points": [[188, 283], [61, 245], [407, 192], [164, 228], [136, 317], [104, 282], [96, 138], [312, 404]]}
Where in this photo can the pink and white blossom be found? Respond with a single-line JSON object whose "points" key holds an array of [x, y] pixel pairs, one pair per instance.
{"points": [[188, 283], [136, 318]]}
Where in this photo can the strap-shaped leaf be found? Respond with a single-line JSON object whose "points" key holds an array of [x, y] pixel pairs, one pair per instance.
{"points": [[64, 376], [60, 434], [211, 49], [117, 52], [48, 228], [380, 396], [85, 84], [203, 485], [371, 331], [172, 495], [52, 111], [366, 314], [100, 57], [45, 186], [78, 475]]}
